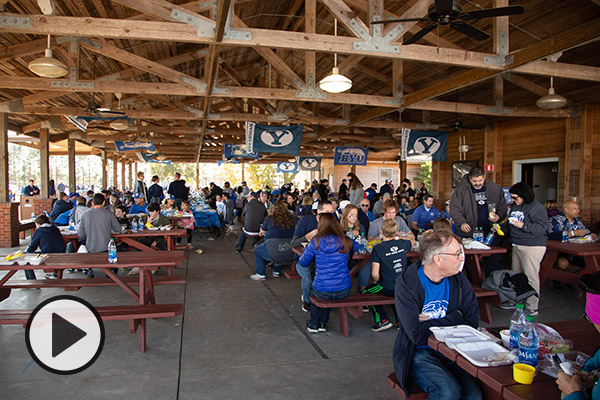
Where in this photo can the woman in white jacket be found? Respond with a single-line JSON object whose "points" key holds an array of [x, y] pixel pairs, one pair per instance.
{"points": [[356, 190]]}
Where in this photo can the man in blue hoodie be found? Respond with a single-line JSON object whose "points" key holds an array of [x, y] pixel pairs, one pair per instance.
{"points": [[434, 293], [47, 239]]}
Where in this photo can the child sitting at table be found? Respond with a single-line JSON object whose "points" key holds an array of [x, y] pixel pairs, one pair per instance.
{"points": [[48, 239], [388, 260], [187, 223]]}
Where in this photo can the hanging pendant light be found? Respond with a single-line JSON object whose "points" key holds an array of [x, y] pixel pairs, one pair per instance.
{"points": [[551, 101], [335, 82], [48, 66], [119, 124]]}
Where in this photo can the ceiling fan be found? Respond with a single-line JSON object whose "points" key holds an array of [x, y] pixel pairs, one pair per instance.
{"points": [[95, 109], [449, 12]]}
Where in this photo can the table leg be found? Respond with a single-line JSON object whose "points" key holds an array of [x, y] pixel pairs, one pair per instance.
{"points": [[292, 274], [344, 321], [142, 323], [150, 286], [591, 264], [122, 284], [135, 244], [475, 266], [358, 266], [546, 266], [6, 277]]}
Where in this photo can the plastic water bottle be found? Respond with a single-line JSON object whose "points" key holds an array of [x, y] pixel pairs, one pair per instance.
{"points": [[350, 234], [362, 243], [420, 235], [32, 215], [140, 224], [134, 225], [565, 235], [517, 324], [490, 238], [71, 225], [529, 343], [479, 234], [403, 233], [112, 251]]}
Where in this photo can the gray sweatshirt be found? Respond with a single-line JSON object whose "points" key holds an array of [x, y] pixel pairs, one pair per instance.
{"points": [[96, 225], [535, 218]]}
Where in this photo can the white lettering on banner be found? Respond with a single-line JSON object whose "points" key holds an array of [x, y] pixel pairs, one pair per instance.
{"points": [[277, 138], [426, 145], [309, 162], [356, 156]]}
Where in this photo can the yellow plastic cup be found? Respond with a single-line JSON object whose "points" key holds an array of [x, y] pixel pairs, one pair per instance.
{"points": [[523, 373]]}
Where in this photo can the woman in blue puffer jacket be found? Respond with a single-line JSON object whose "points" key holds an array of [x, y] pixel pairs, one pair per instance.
{"points": [[329, 249]]}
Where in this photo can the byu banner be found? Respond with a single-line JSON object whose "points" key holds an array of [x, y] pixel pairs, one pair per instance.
{"points": [[310, 163], [350, 156], [148, 157], [239, 150], [424, 143], [129, 146], [274, 139], [287, 167]]}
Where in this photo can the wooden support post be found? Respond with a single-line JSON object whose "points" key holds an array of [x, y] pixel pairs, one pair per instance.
{"points": [[3, 157], [197, 175], [123, 161], [71, 162], [115, 180], [130, 178], [310, 26], [492, 152], [104, 170], [44, 162]]}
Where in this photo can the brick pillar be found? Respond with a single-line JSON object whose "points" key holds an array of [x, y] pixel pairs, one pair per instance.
{"points": [[9, 218], [41, 205]]}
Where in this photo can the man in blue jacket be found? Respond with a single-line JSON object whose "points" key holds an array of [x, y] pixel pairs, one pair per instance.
{"points": [[434, 293]]}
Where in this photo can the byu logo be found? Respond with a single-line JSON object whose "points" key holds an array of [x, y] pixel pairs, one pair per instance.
{"points": [[394, 249], [287, 166], [278, 138], [426, 145], [352, 155], [309, 162]]}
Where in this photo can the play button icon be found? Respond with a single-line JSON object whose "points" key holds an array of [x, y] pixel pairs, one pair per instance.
{"points": [[64, 335]]}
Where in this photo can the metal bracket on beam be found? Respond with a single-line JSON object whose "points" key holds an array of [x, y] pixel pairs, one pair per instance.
{"points": [[220, 90], [12, 106], [195, 111], [15, 22], [199, 85], [309, 92], [503, 58], [398, 100], [500, 110], [376, 43], [213, 116], [205, 28], [235, 34], [278, 117], [72, 83]]}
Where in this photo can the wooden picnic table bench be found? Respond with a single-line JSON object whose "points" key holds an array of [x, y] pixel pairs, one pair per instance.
{"points": [[26, 225], [72, 285], [417, 392]]}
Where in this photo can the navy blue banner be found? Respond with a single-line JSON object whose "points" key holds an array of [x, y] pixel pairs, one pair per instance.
{"points": [[310, 163], [130, 146], [424, 143], [350, 156], [239, 150], [274, 139], [287, 167]]}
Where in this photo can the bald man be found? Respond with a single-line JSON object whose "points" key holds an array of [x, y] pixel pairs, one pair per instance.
{"points": [[568, 219]]}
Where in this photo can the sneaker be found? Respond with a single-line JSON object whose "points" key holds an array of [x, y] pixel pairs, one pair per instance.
{"points": [[276, 274], [90, 275], [322, 328], [134, 271], [382, 325], [365, 309], [311, 328], [531, 312], [70, 270], [305, 306], [238, 250], [51, 275], [258, 277], [507, 305]]}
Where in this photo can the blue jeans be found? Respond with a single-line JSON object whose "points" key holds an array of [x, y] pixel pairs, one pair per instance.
{"points": [[320, 316], [364, 274], [30, 274], [242, 241], [261, 256], [306, 282], [441, 378]]}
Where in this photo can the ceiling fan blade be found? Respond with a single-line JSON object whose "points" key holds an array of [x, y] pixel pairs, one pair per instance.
{"points": [[389, 21], [442, 6], [419, 34], [470, 30], [494, 12]]}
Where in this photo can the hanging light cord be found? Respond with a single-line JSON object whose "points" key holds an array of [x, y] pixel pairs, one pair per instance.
{"points": [[48, 41], [335, 35]]}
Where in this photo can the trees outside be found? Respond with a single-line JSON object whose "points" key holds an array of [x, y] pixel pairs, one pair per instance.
{"points": [[424, 175], [260, 175]]}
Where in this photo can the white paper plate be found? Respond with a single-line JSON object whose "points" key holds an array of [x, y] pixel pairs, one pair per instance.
{"points": [[484, 354]]}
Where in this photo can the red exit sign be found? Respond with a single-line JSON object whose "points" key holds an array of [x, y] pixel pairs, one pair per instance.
{"points": [[489, 167]]}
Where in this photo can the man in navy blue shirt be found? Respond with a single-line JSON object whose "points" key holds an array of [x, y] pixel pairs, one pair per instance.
{"points": [[305, 231], [424, 215]]}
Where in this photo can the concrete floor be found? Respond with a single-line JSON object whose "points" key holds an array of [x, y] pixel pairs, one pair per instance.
{"points": [[237, 339]]}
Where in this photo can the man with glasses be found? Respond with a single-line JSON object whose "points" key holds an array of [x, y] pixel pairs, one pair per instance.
{"points": [[478, 202], [433, 292], [390, 211], [364, 207], [305, 231]]}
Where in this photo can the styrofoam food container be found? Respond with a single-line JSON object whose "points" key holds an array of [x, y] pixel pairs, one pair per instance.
{"points": [[484, 354]]}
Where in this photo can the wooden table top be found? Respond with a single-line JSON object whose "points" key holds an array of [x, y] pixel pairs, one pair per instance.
{"points": [[100, 260], [577, 249], [129, 234]]}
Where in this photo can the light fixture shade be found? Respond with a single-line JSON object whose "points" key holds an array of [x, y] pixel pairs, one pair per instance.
{"points": [[335, 83], [119, 124], [48, 66], [551, 101]]}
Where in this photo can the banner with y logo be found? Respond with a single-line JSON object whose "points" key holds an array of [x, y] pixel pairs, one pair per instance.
{"points": [[287, 167], [273, 139], [238, 151], [424, 143], [310, 163]]}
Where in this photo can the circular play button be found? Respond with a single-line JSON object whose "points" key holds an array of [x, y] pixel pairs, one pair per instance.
{"points": [[64, 335]]}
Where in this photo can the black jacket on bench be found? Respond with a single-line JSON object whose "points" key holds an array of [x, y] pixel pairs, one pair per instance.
{"points": [[410, 298]]}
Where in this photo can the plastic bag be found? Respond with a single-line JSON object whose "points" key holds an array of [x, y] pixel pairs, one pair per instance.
{"points": [[551, 341]]}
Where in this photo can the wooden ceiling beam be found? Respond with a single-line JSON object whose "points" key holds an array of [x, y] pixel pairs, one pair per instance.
{"points": [[525, 84]]}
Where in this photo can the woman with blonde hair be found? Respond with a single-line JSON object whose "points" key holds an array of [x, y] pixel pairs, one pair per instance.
{"points": [[305, 207], [356, 189], [353, 229]]}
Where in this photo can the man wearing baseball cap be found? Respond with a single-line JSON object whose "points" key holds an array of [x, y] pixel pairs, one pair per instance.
{"points": [[140, 204], [343, 190]]}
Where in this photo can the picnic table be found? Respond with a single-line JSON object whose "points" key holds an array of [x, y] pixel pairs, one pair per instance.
{"points": [[144, 294], [130, 237], [361, 258], [498, 383], [589, 251]]}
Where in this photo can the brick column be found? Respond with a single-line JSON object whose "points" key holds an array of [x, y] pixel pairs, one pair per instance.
{"points": [[9, 218], [41, 205]]}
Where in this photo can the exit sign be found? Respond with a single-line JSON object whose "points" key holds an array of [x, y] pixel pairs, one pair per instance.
{"points": [[489, 167]]}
